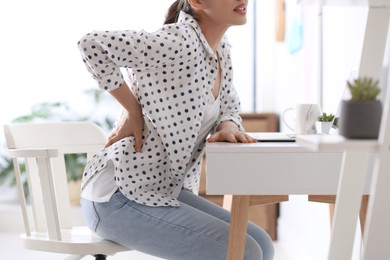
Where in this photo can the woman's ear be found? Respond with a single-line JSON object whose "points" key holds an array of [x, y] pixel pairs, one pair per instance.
{"points": [[195, 4]]}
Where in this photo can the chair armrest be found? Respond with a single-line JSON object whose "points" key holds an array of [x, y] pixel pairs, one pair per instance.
{"points": [[33, 153]]}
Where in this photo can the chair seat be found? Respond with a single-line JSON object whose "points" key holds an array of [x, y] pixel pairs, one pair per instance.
{"points": [[78, 241]]}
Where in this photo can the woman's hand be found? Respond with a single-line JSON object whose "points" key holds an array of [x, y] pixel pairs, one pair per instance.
{"points": [[129, 124], [228, 131]]}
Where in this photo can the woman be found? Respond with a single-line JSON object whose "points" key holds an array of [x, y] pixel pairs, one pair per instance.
{"points": [[140, 190]]}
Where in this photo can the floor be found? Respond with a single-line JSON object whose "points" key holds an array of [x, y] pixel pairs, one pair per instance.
{"points": [[11, 249]]}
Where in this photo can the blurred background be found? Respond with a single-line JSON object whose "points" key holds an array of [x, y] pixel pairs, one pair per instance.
{"points": [[282, 56]]}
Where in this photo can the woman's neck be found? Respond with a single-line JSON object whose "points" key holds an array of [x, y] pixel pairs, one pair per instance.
{"points": [[213, 33]]}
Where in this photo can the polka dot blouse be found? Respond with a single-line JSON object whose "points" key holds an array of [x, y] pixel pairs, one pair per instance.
{"points": [[171, 72]]}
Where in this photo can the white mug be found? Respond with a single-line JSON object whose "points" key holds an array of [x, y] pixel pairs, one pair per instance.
{"points": [[305, 118]]}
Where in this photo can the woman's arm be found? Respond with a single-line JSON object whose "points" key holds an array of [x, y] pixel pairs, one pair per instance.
{"points": [[131, 122], [104, 52]]}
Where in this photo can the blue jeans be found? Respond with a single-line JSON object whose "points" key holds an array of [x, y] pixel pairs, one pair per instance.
{"points": [[198, 229]]}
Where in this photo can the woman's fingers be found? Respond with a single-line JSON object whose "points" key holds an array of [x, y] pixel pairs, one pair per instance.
{"points": [[232, 137], [111, 139], [212, 139], [244, 138], [222, 137], [138, 142]]}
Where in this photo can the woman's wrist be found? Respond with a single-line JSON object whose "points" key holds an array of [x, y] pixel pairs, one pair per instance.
{"points": [[228, 125], [126, 98]]}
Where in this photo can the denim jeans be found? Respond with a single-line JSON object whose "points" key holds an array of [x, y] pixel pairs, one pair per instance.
{"points": [[198, 229]]}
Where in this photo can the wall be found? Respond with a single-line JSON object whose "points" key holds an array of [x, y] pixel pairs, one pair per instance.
{"points": [[287, 69]]}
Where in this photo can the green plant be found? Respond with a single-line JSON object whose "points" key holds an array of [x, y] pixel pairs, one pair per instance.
{"points": [[364, 88], [43, 111], [56, 111], [335, 122], [75, 165], [325, 117]]}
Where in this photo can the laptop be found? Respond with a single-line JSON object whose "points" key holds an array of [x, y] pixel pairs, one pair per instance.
{"points": [[273, 136]]}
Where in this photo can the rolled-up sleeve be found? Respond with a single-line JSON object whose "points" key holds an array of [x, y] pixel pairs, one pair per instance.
{"points": [[232, 109], [105, 52]]}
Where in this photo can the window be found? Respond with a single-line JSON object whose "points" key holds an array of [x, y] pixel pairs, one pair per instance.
{"points": [[40, 60]]}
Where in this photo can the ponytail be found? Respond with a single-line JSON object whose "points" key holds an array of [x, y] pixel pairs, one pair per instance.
{"points": [[174, 11]]}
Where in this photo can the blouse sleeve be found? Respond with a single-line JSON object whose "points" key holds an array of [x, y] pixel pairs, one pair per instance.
{"points": [[104, 52], [230, 101], [231, 108]]}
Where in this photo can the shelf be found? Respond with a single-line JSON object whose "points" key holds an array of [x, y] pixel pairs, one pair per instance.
{"points": [[334, 143]]}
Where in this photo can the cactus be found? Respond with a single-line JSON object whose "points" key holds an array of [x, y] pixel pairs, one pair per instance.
{"points": [[364, 89]]}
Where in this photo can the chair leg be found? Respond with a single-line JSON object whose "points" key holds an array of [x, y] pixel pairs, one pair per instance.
{"points": [[331, 200], [100, 257]]}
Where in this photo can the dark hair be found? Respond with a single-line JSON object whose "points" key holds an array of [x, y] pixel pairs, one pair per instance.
{"points": [[174, 11]]}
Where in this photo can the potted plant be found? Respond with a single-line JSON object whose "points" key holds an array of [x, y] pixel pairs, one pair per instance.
{"points": [[324, 123], [360, 117]]}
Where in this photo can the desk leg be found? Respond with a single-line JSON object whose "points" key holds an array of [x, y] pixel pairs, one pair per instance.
{"points": [[348, 200], [238, 227]]}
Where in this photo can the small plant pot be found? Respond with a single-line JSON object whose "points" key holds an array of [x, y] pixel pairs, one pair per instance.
{"points": [[323, 127], [360, 119]]}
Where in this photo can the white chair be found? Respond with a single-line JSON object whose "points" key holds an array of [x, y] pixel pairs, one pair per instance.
{"points": [[41, 146]]}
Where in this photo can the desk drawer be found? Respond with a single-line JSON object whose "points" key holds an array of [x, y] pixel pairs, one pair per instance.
{"points": [[274, 173]]}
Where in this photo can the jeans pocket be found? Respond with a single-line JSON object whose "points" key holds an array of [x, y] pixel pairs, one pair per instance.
{"points": [[90, 215]]}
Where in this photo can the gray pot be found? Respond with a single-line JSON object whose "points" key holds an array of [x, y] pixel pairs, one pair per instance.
{"points": [[360, 119]]}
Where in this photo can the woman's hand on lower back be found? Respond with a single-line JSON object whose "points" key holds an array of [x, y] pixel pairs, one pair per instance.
{"points": [[130, 124]]}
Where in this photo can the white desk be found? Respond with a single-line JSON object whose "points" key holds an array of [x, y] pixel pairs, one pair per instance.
{"points": [[269, 169]]}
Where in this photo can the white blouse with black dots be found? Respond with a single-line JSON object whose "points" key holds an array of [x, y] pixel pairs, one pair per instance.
{"points": [[171, 72]]}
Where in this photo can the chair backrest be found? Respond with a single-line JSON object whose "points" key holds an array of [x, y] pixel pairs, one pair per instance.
{"points": [[46, 177]]}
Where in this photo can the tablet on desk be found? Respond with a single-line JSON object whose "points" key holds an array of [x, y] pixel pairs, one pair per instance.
{"points": [[273, 136]]}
